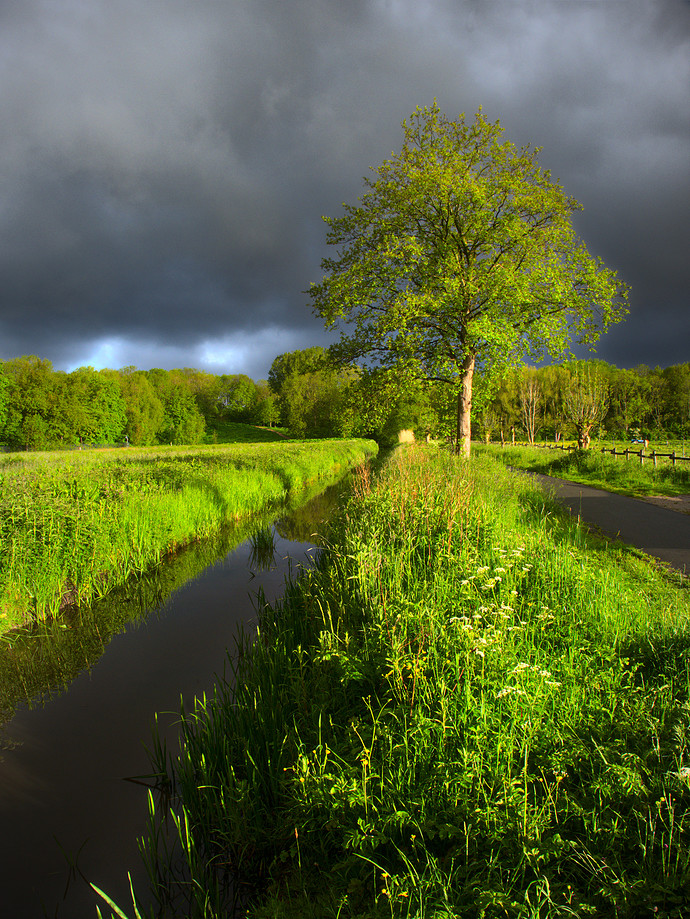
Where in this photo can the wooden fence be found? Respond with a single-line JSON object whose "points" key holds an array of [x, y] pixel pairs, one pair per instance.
{"points": [[653, 456], [627, 453]]}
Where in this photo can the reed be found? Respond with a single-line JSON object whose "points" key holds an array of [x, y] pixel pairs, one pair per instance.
{"points": [[470, 708], [72, 526]]}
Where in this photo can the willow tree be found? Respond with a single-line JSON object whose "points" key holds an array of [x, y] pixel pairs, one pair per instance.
{"points": [[586, 401], [461, 254]]}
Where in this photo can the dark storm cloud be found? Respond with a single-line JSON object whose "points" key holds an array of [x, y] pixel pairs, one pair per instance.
{"points": [[164, 166]]}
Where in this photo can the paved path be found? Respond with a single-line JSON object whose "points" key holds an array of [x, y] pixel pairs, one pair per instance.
{"points": [[662, 533]]}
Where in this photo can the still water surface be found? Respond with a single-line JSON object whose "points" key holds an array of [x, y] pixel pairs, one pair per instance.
{"points": [[68, 814]]}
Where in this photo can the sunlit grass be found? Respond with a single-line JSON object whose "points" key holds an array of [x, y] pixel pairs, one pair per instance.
{"points": [[470, 708], [601, 470], [233, 432], [73, 525]]}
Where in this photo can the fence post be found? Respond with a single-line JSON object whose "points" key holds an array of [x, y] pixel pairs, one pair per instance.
{"points": [[627, 452], [641, 456], [673, 457], [654, 458]]}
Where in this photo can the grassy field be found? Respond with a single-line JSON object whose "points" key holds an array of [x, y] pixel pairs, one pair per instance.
{"points": [[73, 525], [601, 470], [471, 708], [233, 432]]}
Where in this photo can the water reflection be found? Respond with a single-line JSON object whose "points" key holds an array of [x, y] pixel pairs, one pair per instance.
{"points": [[85, 695], [40, 661], [263, 549]]}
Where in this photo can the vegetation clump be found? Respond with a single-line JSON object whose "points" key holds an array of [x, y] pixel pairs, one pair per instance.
{"points": [[469, 708]]}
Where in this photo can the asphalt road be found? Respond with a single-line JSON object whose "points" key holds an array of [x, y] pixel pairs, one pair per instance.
{"points": [[661, 533]]}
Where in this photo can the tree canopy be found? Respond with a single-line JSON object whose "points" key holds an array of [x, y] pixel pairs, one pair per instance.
{"points": [[460, 254]]}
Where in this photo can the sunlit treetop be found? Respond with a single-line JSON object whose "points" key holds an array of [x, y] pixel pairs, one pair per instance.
{"points": [[462, 252]]}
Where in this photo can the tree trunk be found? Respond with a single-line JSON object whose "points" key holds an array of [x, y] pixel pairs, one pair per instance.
{"points": [[583, 436], [464, 431]]}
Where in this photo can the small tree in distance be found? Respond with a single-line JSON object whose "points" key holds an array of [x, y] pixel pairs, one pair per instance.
{"points": [[461, 254], [586, 401], [530, 400]]}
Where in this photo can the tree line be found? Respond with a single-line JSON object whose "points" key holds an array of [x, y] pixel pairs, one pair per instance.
{"points": [[583, 399], [310, 394], [42, 408]]}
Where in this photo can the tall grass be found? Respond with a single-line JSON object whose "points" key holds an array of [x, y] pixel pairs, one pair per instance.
{"points": [[74, 525], [470, 708], [41, 659], [591, 467]]}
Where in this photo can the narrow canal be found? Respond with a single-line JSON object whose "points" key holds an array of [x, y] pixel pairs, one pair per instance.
{"points": [[72, 802]]}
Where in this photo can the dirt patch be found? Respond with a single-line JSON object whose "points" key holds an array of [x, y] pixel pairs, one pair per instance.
{"points": [[680, 503]]}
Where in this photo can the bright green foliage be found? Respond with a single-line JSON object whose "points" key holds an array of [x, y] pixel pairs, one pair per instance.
{"points": [[469, 709], [292, 363], [237, 397], [4, 398], [45, 409], [92, 402], [629, 399], [462, 252], [143, 408], [677, 380], [31, 402], [310, 391], [182, 421], [267, 410], [381, 402]]}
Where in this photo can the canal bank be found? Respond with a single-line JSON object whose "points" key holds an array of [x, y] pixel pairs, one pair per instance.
{"points": [[74, 764]]}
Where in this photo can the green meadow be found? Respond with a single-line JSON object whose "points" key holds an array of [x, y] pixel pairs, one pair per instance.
{"points": [[601, 470], [75, 524], [469, 708]]}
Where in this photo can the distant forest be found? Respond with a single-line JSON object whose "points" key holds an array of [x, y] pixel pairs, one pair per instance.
{"points": [[42, 408]]}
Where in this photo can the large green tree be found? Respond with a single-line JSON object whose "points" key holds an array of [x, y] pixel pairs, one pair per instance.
{"points": [[462, 254], [311, 391], [31, 402]]}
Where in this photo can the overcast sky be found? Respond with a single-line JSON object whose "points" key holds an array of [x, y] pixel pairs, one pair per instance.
{"points": [[164, 165]]}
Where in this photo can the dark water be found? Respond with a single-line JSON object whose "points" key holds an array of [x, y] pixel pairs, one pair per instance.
{"points": [[68, 813]]}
